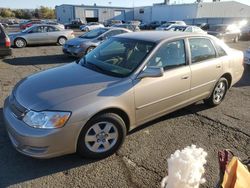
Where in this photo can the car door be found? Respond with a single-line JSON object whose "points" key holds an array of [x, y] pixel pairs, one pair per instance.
{"points": [[206, 68], [52, 34], [156, 96], [36, 35]]}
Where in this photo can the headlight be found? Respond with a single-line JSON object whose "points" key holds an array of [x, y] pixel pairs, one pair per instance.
{"points": [[46, 119]]}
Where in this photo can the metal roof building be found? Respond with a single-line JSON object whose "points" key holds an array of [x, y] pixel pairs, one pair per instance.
{"points": [[209, 11], [66, 13]]}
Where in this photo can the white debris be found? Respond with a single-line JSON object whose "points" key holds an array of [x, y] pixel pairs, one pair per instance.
{"points": [[185, 168]]}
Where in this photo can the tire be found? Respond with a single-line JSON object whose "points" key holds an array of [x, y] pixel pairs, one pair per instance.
{"points": [[90, 49], [218, 94], [20, 43], [61, 41], [101, 136]]}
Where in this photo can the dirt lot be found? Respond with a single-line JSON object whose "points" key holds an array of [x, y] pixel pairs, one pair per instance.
{"points": [[141, 162]]}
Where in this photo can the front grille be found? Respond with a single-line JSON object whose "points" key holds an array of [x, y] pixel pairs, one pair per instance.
{"points": [[17, 109]]}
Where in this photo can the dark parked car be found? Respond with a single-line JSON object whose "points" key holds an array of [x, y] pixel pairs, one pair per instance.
{"points": [[4, 43], [225, 32], [245, 32], [153, 25], [127, 26], [74, 24], [203, 26]]}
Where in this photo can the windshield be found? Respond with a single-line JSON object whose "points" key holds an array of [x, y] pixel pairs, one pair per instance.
{"points": [[166, 24], [94, 33], [177, 28], [117, 56]]}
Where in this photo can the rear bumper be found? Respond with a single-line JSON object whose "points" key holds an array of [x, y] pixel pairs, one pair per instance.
{"points": [[5, 51]]}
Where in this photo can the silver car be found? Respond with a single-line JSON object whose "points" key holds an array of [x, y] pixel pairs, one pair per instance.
{"points": [[85, 43], [41, 34], [90, 105]]}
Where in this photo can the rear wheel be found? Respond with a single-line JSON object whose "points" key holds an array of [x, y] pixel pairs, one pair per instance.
{"points": [[20, 43], [101, 136], [61, 41], [219, 93]]}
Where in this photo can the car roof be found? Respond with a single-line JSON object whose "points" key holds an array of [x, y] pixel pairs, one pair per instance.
{"points": [[157, 36]]}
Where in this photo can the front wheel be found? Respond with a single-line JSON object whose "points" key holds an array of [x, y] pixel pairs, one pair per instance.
{"points": [[61, 41], [101, 136], [219, 93], [20, 43]]}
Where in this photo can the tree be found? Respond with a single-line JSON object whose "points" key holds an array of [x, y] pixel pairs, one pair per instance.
{"points": [[6, 13], [46, 13]]}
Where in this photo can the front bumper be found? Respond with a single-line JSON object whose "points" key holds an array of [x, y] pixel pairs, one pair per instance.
{"points": [[39, 143], [72, 51]]}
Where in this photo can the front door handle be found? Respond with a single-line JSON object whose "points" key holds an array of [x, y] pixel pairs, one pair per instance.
{"points": [[185, 77], [218, 66]]}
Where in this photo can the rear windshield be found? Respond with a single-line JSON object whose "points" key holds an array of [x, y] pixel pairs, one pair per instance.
{"points": [[2, 31]]}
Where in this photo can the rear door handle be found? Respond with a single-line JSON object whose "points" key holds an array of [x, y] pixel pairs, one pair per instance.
{"points": [[184, 77]]}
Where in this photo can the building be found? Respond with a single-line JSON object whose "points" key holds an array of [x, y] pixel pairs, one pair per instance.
{"points": [[210, 12], [214, 12], [66, 13]]}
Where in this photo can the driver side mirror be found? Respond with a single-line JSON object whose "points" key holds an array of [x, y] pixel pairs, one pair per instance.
{"points": [[151, 72]]}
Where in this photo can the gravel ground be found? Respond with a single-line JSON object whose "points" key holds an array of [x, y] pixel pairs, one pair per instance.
{"points": [[141, 162]]}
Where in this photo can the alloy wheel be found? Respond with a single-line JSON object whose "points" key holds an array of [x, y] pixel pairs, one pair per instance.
{"points": [[101, 137]]}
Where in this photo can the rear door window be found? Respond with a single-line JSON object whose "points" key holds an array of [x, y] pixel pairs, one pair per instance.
{"points": [[201, 49]]}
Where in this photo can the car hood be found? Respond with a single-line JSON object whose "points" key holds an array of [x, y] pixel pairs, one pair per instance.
{"points": [[15, 34], [46, 89], [77, 41]]}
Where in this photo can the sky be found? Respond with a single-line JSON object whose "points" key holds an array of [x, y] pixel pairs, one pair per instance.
{"points": [[123, 3]]}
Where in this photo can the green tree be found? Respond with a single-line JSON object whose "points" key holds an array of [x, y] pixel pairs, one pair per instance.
{"points": [[46, 13], [6, 13]]}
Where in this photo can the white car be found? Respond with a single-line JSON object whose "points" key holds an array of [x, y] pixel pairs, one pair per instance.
{"points": [[247, 56], [91, 26], [186, 28]]}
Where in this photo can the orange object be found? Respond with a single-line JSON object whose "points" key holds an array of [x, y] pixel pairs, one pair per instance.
{"points": [[236, 175]]}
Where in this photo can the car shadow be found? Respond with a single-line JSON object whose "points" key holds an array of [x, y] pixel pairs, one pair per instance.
{"points": [[40, 60], [18, 168]]}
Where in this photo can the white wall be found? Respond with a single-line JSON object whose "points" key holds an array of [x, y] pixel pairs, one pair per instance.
{"points": [[146, 16], [223, 9]]}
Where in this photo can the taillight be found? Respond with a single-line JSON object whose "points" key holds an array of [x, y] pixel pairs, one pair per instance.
{"points": [[7, 42]]}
